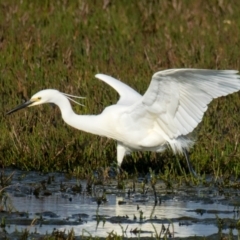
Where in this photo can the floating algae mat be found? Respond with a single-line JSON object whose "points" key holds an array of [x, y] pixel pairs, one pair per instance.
{"points": [[43, 203]]}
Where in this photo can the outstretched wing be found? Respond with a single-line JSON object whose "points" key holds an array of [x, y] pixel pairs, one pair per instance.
{"points": [[128, 95], [177, 98]]}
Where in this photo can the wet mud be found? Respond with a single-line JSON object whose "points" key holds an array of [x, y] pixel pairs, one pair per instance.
{"points": [[53, 203]]}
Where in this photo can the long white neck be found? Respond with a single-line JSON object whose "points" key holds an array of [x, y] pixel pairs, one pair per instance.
{"points": [[87, 123]]}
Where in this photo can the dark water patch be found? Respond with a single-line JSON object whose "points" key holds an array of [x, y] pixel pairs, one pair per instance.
{"points": [[120, 202], [202, 211], [47, 214], [80, 215], [119, 219]]}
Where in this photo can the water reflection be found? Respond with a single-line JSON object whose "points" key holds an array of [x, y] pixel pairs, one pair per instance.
{"points": [[169, 212], [185, 212]]}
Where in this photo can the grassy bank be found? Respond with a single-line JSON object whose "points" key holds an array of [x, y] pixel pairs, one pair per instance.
{"points": [[63, 44]]}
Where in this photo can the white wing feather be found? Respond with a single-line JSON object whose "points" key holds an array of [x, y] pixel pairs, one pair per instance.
{"points": [[128, 95], [177, 99]]}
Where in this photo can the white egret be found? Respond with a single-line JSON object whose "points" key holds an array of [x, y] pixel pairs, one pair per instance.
{"points": [[170, 109]]}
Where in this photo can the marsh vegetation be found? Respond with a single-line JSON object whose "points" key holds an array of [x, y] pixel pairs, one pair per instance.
{"points": [[63, 44]]}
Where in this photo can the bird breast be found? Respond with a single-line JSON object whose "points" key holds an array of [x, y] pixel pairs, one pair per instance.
{"points": [[142, 133]]}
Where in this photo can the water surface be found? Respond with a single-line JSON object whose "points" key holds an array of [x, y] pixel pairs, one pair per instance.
{"points": [[180, 212]]}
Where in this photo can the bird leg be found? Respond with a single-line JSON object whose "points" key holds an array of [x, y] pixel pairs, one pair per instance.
{"points": [[191, 170], [121, 151]]}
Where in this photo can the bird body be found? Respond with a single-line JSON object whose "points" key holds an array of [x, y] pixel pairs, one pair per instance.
{"points": [[113, 123], [170, 109]]}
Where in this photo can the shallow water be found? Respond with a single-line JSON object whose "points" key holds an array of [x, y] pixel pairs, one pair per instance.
{"points": [[184, 212], [170, 209]]}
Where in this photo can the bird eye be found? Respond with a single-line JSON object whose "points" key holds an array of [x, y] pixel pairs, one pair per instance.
{"points": [[39, 98]]}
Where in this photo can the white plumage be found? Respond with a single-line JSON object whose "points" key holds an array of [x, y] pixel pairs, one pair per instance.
{"points": [[171, 108]]}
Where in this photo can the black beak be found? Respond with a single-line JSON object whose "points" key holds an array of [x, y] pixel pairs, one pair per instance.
{"points": [[27, 103]]}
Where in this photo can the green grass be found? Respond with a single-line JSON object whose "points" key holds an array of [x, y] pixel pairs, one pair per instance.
{"points": [[63, 44]]}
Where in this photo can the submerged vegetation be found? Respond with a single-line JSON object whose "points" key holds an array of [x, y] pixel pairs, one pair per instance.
{"points": [[63, 44]]}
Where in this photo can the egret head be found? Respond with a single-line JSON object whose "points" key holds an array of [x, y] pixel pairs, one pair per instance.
{"points": [[43, 96]]}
